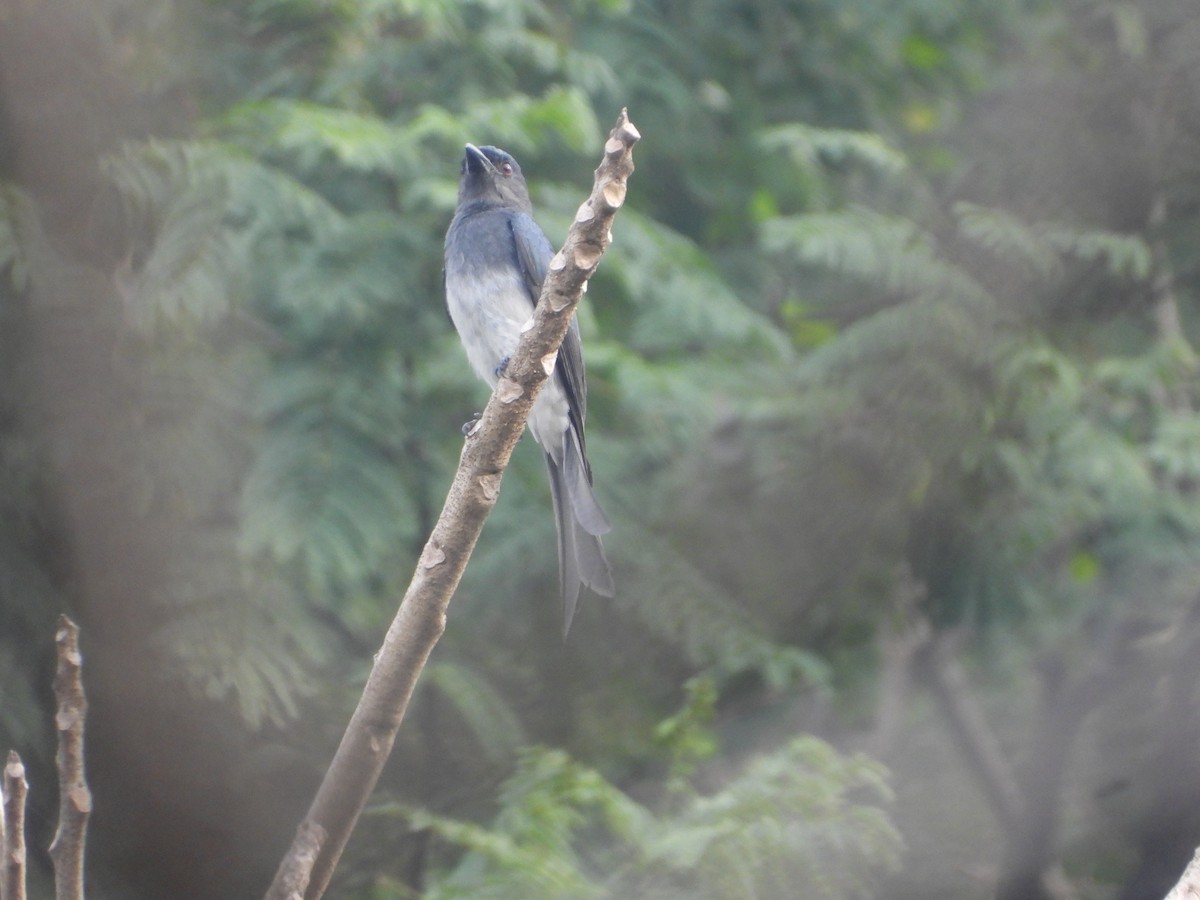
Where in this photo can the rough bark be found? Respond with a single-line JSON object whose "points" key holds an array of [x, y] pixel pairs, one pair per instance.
{"points": [[296, 869], [12, 872], [74, 797], [421, 619]]}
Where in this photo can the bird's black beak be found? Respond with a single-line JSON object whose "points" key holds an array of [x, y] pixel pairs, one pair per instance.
{"points": [[476, 162]]}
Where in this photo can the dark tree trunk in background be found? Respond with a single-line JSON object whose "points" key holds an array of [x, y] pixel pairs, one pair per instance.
{"points": [[188, 803]]}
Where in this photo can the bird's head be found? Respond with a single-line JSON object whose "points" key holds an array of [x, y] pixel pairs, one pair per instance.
{"points": [[494, 177]]}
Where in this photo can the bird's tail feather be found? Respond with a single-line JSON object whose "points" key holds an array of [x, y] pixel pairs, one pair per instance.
{"points": [[588, 513], [581, 560]]}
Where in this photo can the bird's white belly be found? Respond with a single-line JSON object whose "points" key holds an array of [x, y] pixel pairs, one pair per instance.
{"points": [[490, 333]]}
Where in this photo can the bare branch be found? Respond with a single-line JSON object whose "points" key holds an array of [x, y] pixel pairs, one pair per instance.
{"points": [[421, 619], [74, 798], [12, 872], [294, 872]]}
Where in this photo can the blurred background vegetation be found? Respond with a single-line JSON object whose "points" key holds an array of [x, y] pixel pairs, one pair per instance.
{"points": [[893, 408]]}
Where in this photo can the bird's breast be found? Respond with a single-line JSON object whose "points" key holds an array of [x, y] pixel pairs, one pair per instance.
{"points": [[489, 304], [489, 308]]}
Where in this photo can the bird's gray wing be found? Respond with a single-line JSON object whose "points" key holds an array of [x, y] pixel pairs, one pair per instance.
{"points": [[534, 253]]}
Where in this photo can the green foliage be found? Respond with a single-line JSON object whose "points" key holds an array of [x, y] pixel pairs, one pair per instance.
{"points": [[310, 134], [198, 213], [680, 301], [485, 710], [854, 319], [520, 123], [801, 818], [323, 495], [788, 820], [1042, 248], [889, 252], [181, 385], [808, 147], [814, 151], [687, 735], [1094, 465], [1047, 438], [1003, 234]]}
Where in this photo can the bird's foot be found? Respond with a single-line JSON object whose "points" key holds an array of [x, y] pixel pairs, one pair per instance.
{"points": [[501, 367], [469, 427]]}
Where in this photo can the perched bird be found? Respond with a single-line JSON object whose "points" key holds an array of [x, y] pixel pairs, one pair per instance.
{"points": [[496, 259]]}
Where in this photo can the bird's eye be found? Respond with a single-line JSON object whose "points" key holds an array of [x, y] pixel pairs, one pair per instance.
{"points": [[506, 168]]}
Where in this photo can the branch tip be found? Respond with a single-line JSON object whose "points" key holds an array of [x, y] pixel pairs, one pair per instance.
{"points": [[74, 797], [12, 829]]}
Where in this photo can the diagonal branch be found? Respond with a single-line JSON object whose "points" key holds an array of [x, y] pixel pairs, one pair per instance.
{"points": [[308, 866], [74, 798]]}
